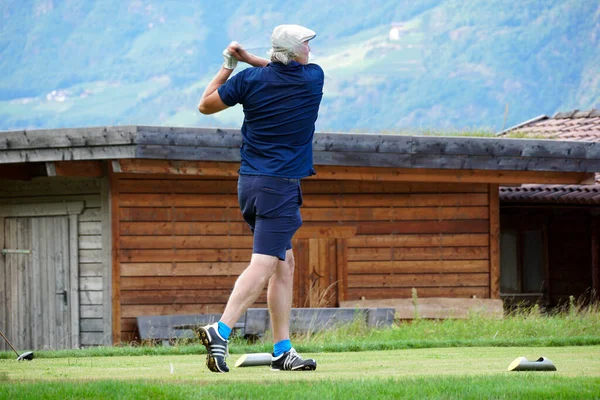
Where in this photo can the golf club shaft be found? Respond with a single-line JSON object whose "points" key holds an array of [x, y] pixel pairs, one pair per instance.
{"points": [[11, 346]]}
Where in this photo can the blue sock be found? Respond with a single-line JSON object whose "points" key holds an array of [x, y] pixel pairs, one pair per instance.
{"points": [[281, 347], [224, 330]]}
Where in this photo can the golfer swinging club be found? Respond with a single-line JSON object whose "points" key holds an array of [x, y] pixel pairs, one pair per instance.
{"points": [[281, 100]]}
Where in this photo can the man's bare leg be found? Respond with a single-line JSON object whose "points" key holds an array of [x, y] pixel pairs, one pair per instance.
{"points": [[248, 287], [279, 297], [246, 290]]}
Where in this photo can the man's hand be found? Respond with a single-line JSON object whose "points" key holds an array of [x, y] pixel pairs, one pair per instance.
{"points": [[236, 51], [230, 62]]}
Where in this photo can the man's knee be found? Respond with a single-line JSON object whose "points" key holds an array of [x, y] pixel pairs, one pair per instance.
{"points": [[287, 267], [289, 258], [265, 263]]}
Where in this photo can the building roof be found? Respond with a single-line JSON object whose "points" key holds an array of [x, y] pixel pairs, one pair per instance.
{"points": [[580, 126], [564, 194], [573, 125], [377, 150], [396, 152]]}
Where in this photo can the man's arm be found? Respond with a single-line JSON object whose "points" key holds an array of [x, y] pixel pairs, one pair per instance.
{"points": [[211, 102], [253, 60], [238, 52]]}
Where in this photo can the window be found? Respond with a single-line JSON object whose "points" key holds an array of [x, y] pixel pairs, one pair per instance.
{"points": [[522, 261], [508, 262]]}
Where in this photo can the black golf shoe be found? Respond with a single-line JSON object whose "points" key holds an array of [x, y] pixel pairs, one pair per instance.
{"points": [[291, 361], [216, 348]]}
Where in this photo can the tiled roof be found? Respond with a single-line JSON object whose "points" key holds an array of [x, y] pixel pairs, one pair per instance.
{"points": [[573, 125], [564, 194]]}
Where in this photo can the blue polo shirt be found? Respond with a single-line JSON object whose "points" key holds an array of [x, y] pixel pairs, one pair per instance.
{"points": [[281, 104]]}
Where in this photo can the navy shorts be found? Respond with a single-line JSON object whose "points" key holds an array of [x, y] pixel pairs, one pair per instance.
{"points": [[271, 206]]}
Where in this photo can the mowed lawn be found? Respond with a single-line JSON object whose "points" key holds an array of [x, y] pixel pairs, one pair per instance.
{"points": [[471, 372]]}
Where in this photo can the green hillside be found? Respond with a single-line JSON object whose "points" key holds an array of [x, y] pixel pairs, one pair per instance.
{"points": [[390, 65]]}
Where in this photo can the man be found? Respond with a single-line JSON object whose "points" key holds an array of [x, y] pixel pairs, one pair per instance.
{"points": [[281, 101]]}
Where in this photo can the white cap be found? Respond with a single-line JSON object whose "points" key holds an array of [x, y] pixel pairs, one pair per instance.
{"points": [[290, 37]]}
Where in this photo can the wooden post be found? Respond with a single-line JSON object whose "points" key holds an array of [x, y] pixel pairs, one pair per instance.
{"points": [[342, 270], [74, 279], [116, 272], [36, 285], [595, 257], [24, 309], [494, 207], [314, 272], [105, 211], [301, 272], [332, 295]]}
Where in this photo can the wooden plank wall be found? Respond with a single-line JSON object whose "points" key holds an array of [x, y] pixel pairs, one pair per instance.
{"points": [[57, 189], [430, 236], [181, 243]]}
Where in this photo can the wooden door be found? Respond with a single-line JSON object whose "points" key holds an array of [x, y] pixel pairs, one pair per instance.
{"points": [[35, 289], [321, 274]]}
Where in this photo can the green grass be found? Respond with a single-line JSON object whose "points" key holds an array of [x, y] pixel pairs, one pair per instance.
{"points": [[525, 135], [573, 326], [423, 373], [505, 387], [422, 359]]}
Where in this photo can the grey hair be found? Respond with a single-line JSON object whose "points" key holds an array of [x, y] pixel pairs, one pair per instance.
{"points": [[282, 56]]}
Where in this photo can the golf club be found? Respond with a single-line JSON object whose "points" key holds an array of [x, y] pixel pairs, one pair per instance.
{"points": [[25, 356], [254, 360], [523, 364]]}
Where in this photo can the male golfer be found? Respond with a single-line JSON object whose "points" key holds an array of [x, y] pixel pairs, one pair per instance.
{"points": [[281, 100]]}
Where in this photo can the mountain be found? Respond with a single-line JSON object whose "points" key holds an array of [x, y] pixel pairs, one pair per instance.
{"points": [[390, 65]]}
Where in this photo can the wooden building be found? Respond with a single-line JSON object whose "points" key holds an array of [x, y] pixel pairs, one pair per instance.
{"points": [[550, 234], [101, 225]]}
